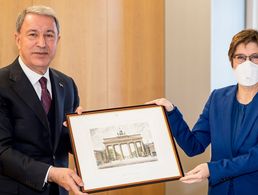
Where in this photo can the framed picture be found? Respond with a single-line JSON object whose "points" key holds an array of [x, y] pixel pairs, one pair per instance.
{"points": [[122, 147]]}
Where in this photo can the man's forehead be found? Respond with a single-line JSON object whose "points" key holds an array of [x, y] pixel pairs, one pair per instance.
{"points": [[36, 21]]}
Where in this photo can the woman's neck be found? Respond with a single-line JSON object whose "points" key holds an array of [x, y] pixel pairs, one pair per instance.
{"points": [[246, 94]]}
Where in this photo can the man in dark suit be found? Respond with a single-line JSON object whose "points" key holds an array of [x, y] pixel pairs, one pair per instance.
{"points": [[34, 144]]}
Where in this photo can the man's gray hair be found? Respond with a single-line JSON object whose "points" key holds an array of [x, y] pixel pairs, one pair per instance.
{"points": [[37, 9]]}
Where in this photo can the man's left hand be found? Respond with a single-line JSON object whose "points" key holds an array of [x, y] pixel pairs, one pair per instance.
{"points": [[78, 110]]}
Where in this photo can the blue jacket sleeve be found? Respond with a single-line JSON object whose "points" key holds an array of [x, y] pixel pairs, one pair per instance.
{"points": [[192, 142]]}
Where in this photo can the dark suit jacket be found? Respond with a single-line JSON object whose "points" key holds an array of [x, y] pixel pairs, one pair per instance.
{"points": [[26, 149], [232, 165]]}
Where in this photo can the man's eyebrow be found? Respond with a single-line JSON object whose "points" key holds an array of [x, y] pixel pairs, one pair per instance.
{"points": [[34, 30], [31, 30], [51, 31]]}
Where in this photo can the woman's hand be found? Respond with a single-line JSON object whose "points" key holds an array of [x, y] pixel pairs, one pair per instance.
{"points": [[162, 102], [198, 174]]}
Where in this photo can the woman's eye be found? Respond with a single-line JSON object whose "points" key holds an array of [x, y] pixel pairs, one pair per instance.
{"points": [[241, 57]]}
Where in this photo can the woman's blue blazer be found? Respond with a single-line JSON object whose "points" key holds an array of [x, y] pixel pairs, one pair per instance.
{"points": [[231, 166]]}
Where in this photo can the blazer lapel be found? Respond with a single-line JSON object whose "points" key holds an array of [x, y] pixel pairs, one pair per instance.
{"points": [[22, 86], [226, 116], [58, 91]]}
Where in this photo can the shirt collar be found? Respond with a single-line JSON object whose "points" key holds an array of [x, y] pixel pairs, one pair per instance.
{"points": [[32, 76]]}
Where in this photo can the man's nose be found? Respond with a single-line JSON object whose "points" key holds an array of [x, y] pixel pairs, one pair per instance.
{"points": [[41, 41]]}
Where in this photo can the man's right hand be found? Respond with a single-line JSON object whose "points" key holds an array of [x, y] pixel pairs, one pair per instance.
{"points": [[67, 178]]}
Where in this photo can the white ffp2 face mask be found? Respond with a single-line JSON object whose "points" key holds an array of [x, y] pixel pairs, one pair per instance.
{"points": [[247, 73]]}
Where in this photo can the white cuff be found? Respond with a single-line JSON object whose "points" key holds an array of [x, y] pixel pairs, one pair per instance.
{"points": [[45, 180]]}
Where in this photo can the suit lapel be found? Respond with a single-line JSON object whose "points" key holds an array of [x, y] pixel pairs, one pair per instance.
{"points": [[58, 91], [251, 116], [22, 86]]}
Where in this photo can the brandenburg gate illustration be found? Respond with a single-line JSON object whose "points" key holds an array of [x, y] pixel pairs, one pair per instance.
{"points": [[124, 147]]}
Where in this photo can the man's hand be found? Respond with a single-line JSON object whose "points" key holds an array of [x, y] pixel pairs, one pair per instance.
{"points": [[198, 174], [162, 102], [66, 178], [78, 110]]}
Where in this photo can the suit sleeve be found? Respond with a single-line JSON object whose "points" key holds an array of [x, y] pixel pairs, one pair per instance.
{"points": [[76, 103], [76, 96], [13, 163]]}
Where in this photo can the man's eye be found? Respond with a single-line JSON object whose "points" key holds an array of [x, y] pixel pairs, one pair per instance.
{"points": [[32, 35], [50, 35]]}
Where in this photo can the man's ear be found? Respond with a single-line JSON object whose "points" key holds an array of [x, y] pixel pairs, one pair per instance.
{"points": [[17, 39], [58, 38]]}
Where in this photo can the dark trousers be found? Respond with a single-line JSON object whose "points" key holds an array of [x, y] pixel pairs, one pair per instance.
{"points": [[53, 189]]}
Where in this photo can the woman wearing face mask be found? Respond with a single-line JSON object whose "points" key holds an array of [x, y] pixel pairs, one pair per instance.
{"points": [[229, 122]]}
